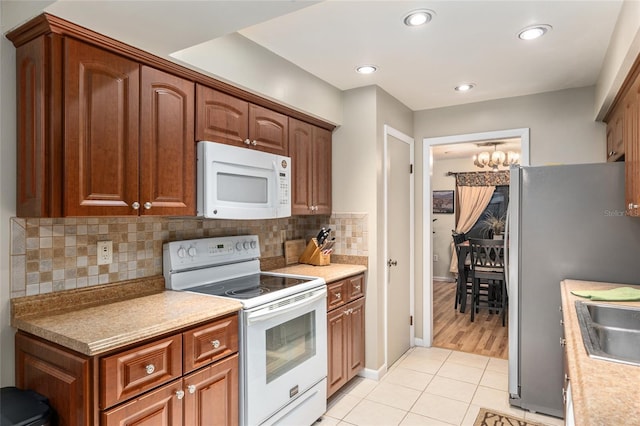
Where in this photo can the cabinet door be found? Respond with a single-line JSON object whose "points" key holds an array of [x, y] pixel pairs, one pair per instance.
{"points": [[221, 117], [632, 150], [161, 407], [60, 375], [356, 338], [101, 98], [167, 145], [321, 171], [212, 395], [268, 130], [300, 150], [337, 352]]}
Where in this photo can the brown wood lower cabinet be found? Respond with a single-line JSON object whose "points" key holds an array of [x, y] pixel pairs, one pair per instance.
{"points": [[345, 331], [171, 380]]}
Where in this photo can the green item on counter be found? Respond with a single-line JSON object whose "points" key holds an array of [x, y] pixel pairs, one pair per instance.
{"points": [[613, 295]]}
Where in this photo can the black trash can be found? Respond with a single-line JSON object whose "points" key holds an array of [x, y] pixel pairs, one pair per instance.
{"points": [[23, 408]]}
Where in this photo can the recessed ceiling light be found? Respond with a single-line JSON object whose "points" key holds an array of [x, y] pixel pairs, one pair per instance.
{"points": [[465, 87], [418, 17], [367, 69], [533, 32]]}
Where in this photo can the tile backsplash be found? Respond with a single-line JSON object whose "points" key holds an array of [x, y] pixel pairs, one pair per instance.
{"points": [[61, 254]]}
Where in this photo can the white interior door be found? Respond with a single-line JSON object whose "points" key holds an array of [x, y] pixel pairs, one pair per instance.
{"points": [[399, 230]]}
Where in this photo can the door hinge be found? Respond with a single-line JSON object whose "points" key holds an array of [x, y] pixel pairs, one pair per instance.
{"points": [[410, 319], [410, 168]]}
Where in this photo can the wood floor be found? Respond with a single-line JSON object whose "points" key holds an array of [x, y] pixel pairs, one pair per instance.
{"points": [[453, 330]]}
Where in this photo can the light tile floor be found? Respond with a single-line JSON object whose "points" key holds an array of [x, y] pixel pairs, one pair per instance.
{"points": [[427, 386]]}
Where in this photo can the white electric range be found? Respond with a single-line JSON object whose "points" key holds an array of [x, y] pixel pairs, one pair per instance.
{"points": [[283, 326]]}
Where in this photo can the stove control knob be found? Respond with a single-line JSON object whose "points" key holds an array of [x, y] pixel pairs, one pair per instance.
{"points": [[253, 244], [182, 252], [246, 245], [192, 251], [238, 246]]}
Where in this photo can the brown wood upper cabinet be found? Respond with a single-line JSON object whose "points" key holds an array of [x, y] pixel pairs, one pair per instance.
{"points": [[623, 137], [310, 152], [226, 119], [99, 134]]}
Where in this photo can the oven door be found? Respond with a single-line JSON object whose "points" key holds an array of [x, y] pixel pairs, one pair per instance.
{"points": [[285, 354]]}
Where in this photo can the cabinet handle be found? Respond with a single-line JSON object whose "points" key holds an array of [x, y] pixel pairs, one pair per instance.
{"points": [[563, 342], [215, 344], [632, 206], [150, 368], [147, 205], [337, 295], [135, 205], [180, 394], [254, 142], [247, 142], [191, 388]]}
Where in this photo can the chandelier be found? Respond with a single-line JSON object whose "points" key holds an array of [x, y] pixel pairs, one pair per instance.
{"points": [[495, 158]]}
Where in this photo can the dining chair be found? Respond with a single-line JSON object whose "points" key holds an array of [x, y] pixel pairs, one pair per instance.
{"points": [[489, 288], [463, 286]]}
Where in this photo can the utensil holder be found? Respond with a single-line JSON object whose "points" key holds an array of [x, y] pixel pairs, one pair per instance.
{"points": [[312, 255]]}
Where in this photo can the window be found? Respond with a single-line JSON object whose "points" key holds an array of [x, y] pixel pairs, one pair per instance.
{"points": [[497, 207]]}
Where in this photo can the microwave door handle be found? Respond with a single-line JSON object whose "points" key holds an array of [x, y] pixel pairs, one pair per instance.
{"points": [[265, 314]]}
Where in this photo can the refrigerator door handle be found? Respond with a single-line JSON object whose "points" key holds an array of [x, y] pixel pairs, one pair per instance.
{"points": [[512, 245]]}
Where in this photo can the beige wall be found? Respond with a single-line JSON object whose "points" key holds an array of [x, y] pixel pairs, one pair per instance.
{"points": [[357, 186], [622, 52], [562, 130]]}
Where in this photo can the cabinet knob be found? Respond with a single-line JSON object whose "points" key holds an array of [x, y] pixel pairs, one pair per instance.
{"points": [[563, 342], [254, 142], [147, 205], [337, 295], [135, 205], [180, 394], [357, 287], [215, 344], [632, 206], [247, 142], [150, 368], [612, 153], [191, 388]]}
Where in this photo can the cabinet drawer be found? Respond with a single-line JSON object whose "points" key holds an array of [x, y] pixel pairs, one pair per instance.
{"points": [[355, 287], [136, 370], [210, 342], [336, 295]]}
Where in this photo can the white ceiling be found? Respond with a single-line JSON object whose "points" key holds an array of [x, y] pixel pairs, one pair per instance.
{"points": [[466, 41]]}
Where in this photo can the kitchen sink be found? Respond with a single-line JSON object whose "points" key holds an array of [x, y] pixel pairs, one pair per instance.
{"points": [[610, 332]]}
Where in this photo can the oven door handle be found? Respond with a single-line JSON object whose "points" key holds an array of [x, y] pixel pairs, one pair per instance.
{"points": [[266, 313]]}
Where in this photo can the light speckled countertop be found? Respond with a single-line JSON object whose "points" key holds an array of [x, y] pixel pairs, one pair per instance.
{"points": [[98, 329], [603, 392], [330, 273]]}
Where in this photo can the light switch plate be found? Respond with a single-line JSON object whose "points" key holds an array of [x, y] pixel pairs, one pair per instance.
{"points": [[105, 252]]}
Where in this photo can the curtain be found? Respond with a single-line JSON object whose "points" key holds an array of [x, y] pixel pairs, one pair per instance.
{"points": [[473, 201]]}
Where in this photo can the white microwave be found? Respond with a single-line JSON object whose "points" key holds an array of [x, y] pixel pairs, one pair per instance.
{"points": [[241, 183]]}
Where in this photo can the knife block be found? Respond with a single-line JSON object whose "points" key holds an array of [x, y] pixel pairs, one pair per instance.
{"points": [[312, 255]]}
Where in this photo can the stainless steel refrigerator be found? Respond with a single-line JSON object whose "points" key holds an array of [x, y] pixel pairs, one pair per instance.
{"points": [[564, 222]]}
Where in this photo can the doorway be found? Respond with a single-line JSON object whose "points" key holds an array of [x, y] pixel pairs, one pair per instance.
{"points": [[429, 144], [399, 230]]}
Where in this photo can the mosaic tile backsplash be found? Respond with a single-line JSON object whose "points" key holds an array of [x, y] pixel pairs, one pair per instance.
{"points": [[61, 254]]}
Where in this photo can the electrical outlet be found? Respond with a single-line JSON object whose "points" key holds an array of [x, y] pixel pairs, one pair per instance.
{"points": [[105, 252], [435, 257]]}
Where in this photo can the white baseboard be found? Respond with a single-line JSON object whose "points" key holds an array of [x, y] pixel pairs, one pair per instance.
{"points": [[376, 375], [419, 342]]}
